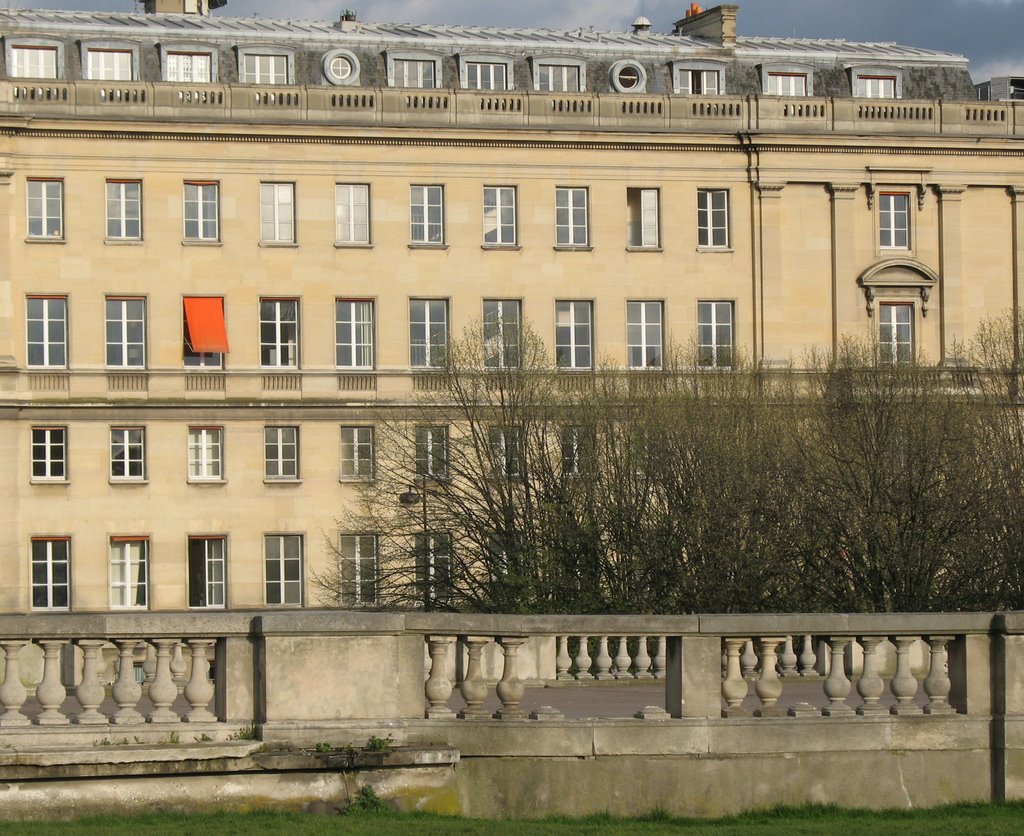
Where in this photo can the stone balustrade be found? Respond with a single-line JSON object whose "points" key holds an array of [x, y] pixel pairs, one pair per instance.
{"points": [[510, 109]]}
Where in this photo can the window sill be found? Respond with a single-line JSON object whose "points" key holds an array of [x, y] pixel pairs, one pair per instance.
{"points": [[207, 481], [573, 248], [355, 245], [40, 239], [416, 246], [508, 247], [715, 250], [356, 480], [644, 250], [123, 242], [49, 481], [195, 242], [279, 245], [128, 481], [270, 480]]}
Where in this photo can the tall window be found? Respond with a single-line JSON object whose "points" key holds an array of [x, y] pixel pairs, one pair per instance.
{"points": [[356, 452], [428, 332], [283, 568], [486, 76], [574, 448], [50, 453], [205, 332], [351, 213], [206, 571], [642, 217], [426, 214], [46, 324], [787, 84], [126, 333], [127, 454], [434, 568], [277, 213], [353, 333], [432, 452], [573, 335], [189, 67], [264, 69], [124, 209], [279, 333], [558, 78], [201, 212], [33, 62], [205, 453], [507, 452], [896, 333], [502, 333], [644, 334], [129, 572], [713, 217], [415, 72], [694, 82], [894, 220], [45, 208], [50, 576], [358, 556], [500, 215], [571, 217], [281, 453], [714, 334], [109, 65]]}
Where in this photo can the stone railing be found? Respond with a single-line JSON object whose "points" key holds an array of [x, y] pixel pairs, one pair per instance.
{"points": [[507, 109]]}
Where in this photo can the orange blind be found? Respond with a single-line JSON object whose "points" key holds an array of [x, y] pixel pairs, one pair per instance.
{"points": [[204, 316]]}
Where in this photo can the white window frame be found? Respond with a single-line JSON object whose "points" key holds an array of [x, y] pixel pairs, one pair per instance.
{"points": [[205, 454], [277, 213], [281, 454], [48, 561], [262, 65], [628, 77], [554, 74], [105, 61], [132, 592], [124, 210], [503, 333], [713, 231], [643, 217], [710, 315], [428, 333], [357, 555], [569, 233], [49, 446], [128, 454], [128, 315], [191, 51], [570, 352], [426, 216], [787, 80], [279, 333], [341, 67], [214, 564], [28, 58], [507, 452], [433, 550], [645, 334], [287, 592], [501, 216], [50, 323], [864, 82], [411, 65], [201, 199], [709, 78], [478, 71], [432, 451], [351, 214], [357, 453], [898, 346], [890, 214], [354, 333], [44, 212]]}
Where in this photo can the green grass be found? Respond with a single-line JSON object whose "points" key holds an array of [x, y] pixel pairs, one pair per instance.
{"points": [[958, 819]]}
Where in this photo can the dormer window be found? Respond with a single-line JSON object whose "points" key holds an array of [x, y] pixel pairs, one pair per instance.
{"points": [[699, 78], [110, 61], [34, 59], [263, 65], [559, 75], [628, 77], [341, 67], [485, 72], [414, 69], [876, 83], [787, 80]]}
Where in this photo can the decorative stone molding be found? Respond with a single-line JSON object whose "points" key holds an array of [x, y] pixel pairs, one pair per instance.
{"points": [[902, 275]]}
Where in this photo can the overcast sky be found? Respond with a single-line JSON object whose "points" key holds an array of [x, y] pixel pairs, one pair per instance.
{"points": [[989, 32]]}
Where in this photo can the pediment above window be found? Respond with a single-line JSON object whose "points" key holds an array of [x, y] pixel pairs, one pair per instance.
{"points": [[898, 278]]}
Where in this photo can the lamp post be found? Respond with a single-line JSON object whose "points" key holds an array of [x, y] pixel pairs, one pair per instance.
{"points": [[409, 499]]}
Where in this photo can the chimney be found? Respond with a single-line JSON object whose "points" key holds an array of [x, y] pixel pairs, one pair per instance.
{"points": [[348, 21], [182, 7], [717, 24]]}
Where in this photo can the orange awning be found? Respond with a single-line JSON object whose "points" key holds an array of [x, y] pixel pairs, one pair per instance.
{"points": [[204, 316]]}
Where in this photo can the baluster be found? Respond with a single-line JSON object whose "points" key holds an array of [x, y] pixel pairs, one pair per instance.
{"points": [[603, 662], [12, 692], [90, 691], [438, 687], [870, 685], [162, 690], [622, 660], [643, 660], [583, 660], [149, 664], [937, 684], [660, 658], [808, 659], [837, 686], [563, 661], [510, 689], [903, 684], [748, 661], [787, 659], [50, 692], [126, 691], [473, 687], [734, 686], [768, 686], [179, 667], [199, 689]]}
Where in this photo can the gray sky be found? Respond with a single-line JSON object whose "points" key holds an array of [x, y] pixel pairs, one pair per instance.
{"points": [[989, 32]]}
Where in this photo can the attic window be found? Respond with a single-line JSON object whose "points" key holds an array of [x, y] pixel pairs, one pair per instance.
{"points": [[876, 82], [341, 67], [787, 80], [628, 77], [33, 61]]}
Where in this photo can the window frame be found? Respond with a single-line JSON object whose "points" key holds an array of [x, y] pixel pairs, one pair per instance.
{"points": [[889, 351], [356, 327], [574, 357], [13, 44], [46, 321], [778, 71], [207, 467], [45, 217], [49, 586], [891, 229], [563, 62], [707, 228], [132, 438], [192, 359], [433, 548], [494, 333], [495, 202], [643, 344], [421, 234], [277, 198], [122, 201], [507, 451], [685, 70], [859, 75], [359, 465], [52, 442], [280, 352], [638, 200], [125, 345], [202, 220], [432, 453], [202, 600], [399, 59], [282, 582], [351, 207], [433, 353], [275, 437], [468, 60], [615, 77], [350, 79], [140, 587], [266, 51], [570, 227], [358, 561], [109, 47], [713, 322], [194, 49]]}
